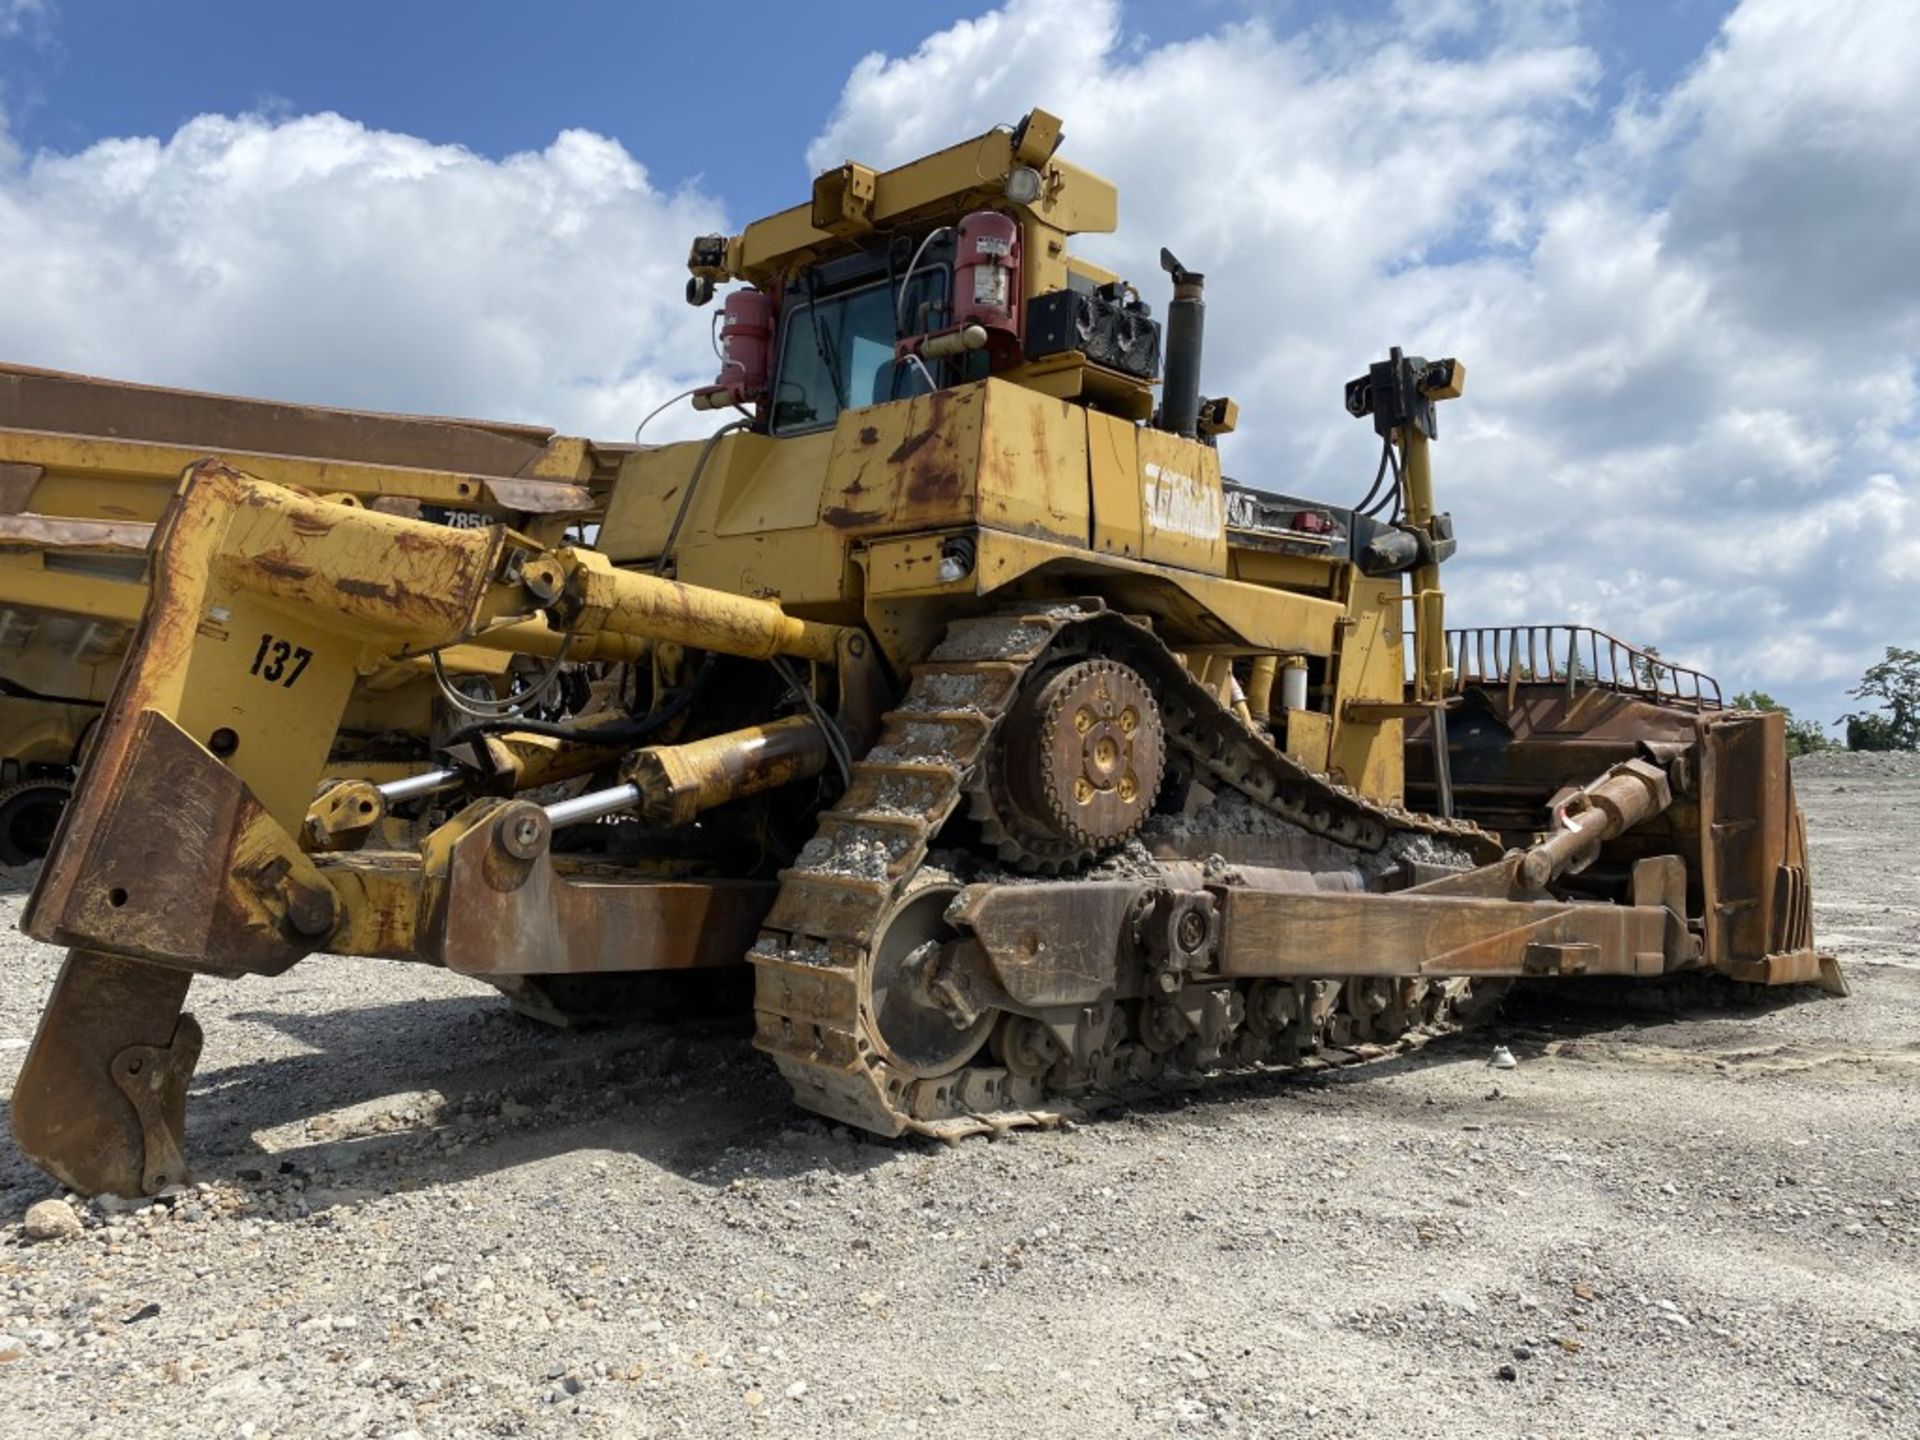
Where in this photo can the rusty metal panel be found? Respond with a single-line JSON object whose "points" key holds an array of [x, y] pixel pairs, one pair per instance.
{"points": [[1050, 944], [503, 915], [175, 862], [1798, 967], [69, 1113], [32, 399], [1512, 748], [1033, 465], [540, 497], [552, 925], [1334, 934], [909, 465], [1746, 828]]}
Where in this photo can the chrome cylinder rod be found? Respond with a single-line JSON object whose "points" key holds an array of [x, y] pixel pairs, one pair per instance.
{"points": [[592, 805], [412, 787]]}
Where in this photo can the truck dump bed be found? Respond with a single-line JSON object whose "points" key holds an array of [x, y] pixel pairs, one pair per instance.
{"points": [[86, 467]]}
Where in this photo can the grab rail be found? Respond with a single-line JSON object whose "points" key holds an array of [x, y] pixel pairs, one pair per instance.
{"points": [[1573, 655]]}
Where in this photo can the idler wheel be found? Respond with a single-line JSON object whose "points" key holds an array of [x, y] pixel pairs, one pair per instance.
{"points": [[1084, 754], [914, 1030]]}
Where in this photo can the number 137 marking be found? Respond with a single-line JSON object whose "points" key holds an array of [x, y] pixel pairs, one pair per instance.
{"points": [[279, 661]]}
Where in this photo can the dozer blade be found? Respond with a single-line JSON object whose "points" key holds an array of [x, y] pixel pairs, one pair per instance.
{"points": [[101, 1102]]}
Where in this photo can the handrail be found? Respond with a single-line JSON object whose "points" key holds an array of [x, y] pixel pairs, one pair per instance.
{"points": [[1573, 655]]}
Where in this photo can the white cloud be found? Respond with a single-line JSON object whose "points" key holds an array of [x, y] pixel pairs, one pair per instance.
{"points": [[1691, 328], [19, 15], [315, 259], [1692, 335]]}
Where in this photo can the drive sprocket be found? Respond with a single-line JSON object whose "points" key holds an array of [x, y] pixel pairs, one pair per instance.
{"points": [[1076, 767]]}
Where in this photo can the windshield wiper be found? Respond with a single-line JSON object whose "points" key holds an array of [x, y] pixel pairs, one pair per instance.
{"points": [[824, 350]]}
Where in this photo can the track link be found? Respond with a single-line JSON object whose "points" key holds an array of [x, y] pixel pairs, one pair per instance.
{"points": [[812, 958]]}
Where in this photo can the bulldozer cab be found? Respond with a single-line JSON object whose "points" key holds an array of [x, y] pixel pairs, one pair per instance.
{"points": [[890, 284]]}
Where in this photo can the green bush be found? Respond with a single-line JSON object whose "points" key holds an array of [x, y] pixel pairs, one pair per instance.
{"points": [[1804, 737], [1894, 683]]}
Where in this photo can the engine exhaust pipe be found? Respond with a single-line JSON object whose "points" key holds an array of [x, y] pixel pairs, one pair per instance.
{"points": [[1186, 329]]}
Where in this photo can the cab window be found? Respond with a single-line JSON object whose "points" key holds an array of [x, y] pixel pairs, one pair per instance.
{"points": [[836, 352]]}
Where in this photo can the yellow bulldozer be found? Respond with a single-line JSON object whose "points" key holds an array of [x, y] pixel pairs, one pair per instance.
{"points": [[948, 690]]}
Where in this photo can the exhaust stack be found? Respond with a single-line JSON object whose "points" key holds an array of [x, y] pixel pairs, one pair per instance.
{"points": [[1186, 328]]}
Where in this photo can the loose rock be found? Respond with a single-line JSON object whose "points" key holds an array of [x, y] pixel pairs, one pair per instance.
{"points": [[51, 1220]]}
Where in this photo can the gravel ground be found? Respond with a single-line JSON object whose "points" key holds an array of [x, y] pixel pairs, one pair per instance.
{"points": [[421, 1216]]}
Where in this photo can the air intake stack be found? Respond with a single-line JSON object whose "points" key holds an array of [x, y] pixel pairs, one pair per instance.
{"points": [[1186, 329]]}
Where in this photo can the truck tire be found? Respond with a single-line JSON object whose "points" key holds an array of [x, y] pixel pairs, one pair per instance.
{"points": [[29, 813]]}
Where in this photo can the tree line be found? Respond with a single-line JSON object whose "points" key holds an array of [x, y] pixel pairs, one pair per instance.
{"points": [[1889, 721]]}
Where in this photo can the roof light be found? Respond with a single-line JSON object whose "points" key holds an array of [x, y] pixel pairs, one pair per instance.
{"points": [[1023, 185]]}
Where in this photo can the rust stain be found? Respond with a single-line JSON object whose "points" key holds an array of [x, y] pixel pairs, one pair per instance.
{"points": [[367, 589], [905, 450], [283, 568], [932, 488], [869, 435], [416, 543], [843, 518], [1042, 433]]}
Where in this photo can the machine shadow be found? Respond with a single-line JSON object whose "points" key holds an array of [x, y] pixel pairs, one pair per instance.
{"points": [[691, 1097], [456, 1087], [414, 1094]]}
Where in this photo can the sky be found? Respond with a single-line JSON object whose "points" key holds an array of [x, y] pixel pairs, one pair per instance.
{"points": [[1674, 242]]}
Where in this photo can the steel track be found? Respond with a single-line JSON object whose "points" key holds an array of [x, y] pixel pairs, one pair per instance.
{"points": [[814, 957]]}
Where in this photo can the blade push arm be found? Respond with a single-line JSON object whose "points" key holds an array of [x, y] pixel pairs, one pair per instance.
{"points": [[266, 606]]}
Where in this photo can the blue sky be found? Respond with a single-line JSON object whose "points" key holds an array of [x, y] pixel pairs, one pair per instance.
{"points": [[1673, 240], [731, 105], [685, 94]]}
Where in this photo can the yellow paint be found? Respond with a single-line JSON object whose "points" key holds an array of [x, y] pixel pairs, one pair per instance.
{"points": [[1113, 451], [1032, 465], [1309, 734], [34, 580], [1370, 755]]}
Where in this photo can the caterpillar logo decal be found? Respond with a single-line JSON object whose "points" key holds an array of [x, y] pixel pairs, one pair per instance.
{"points": [[1182, 504]]}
